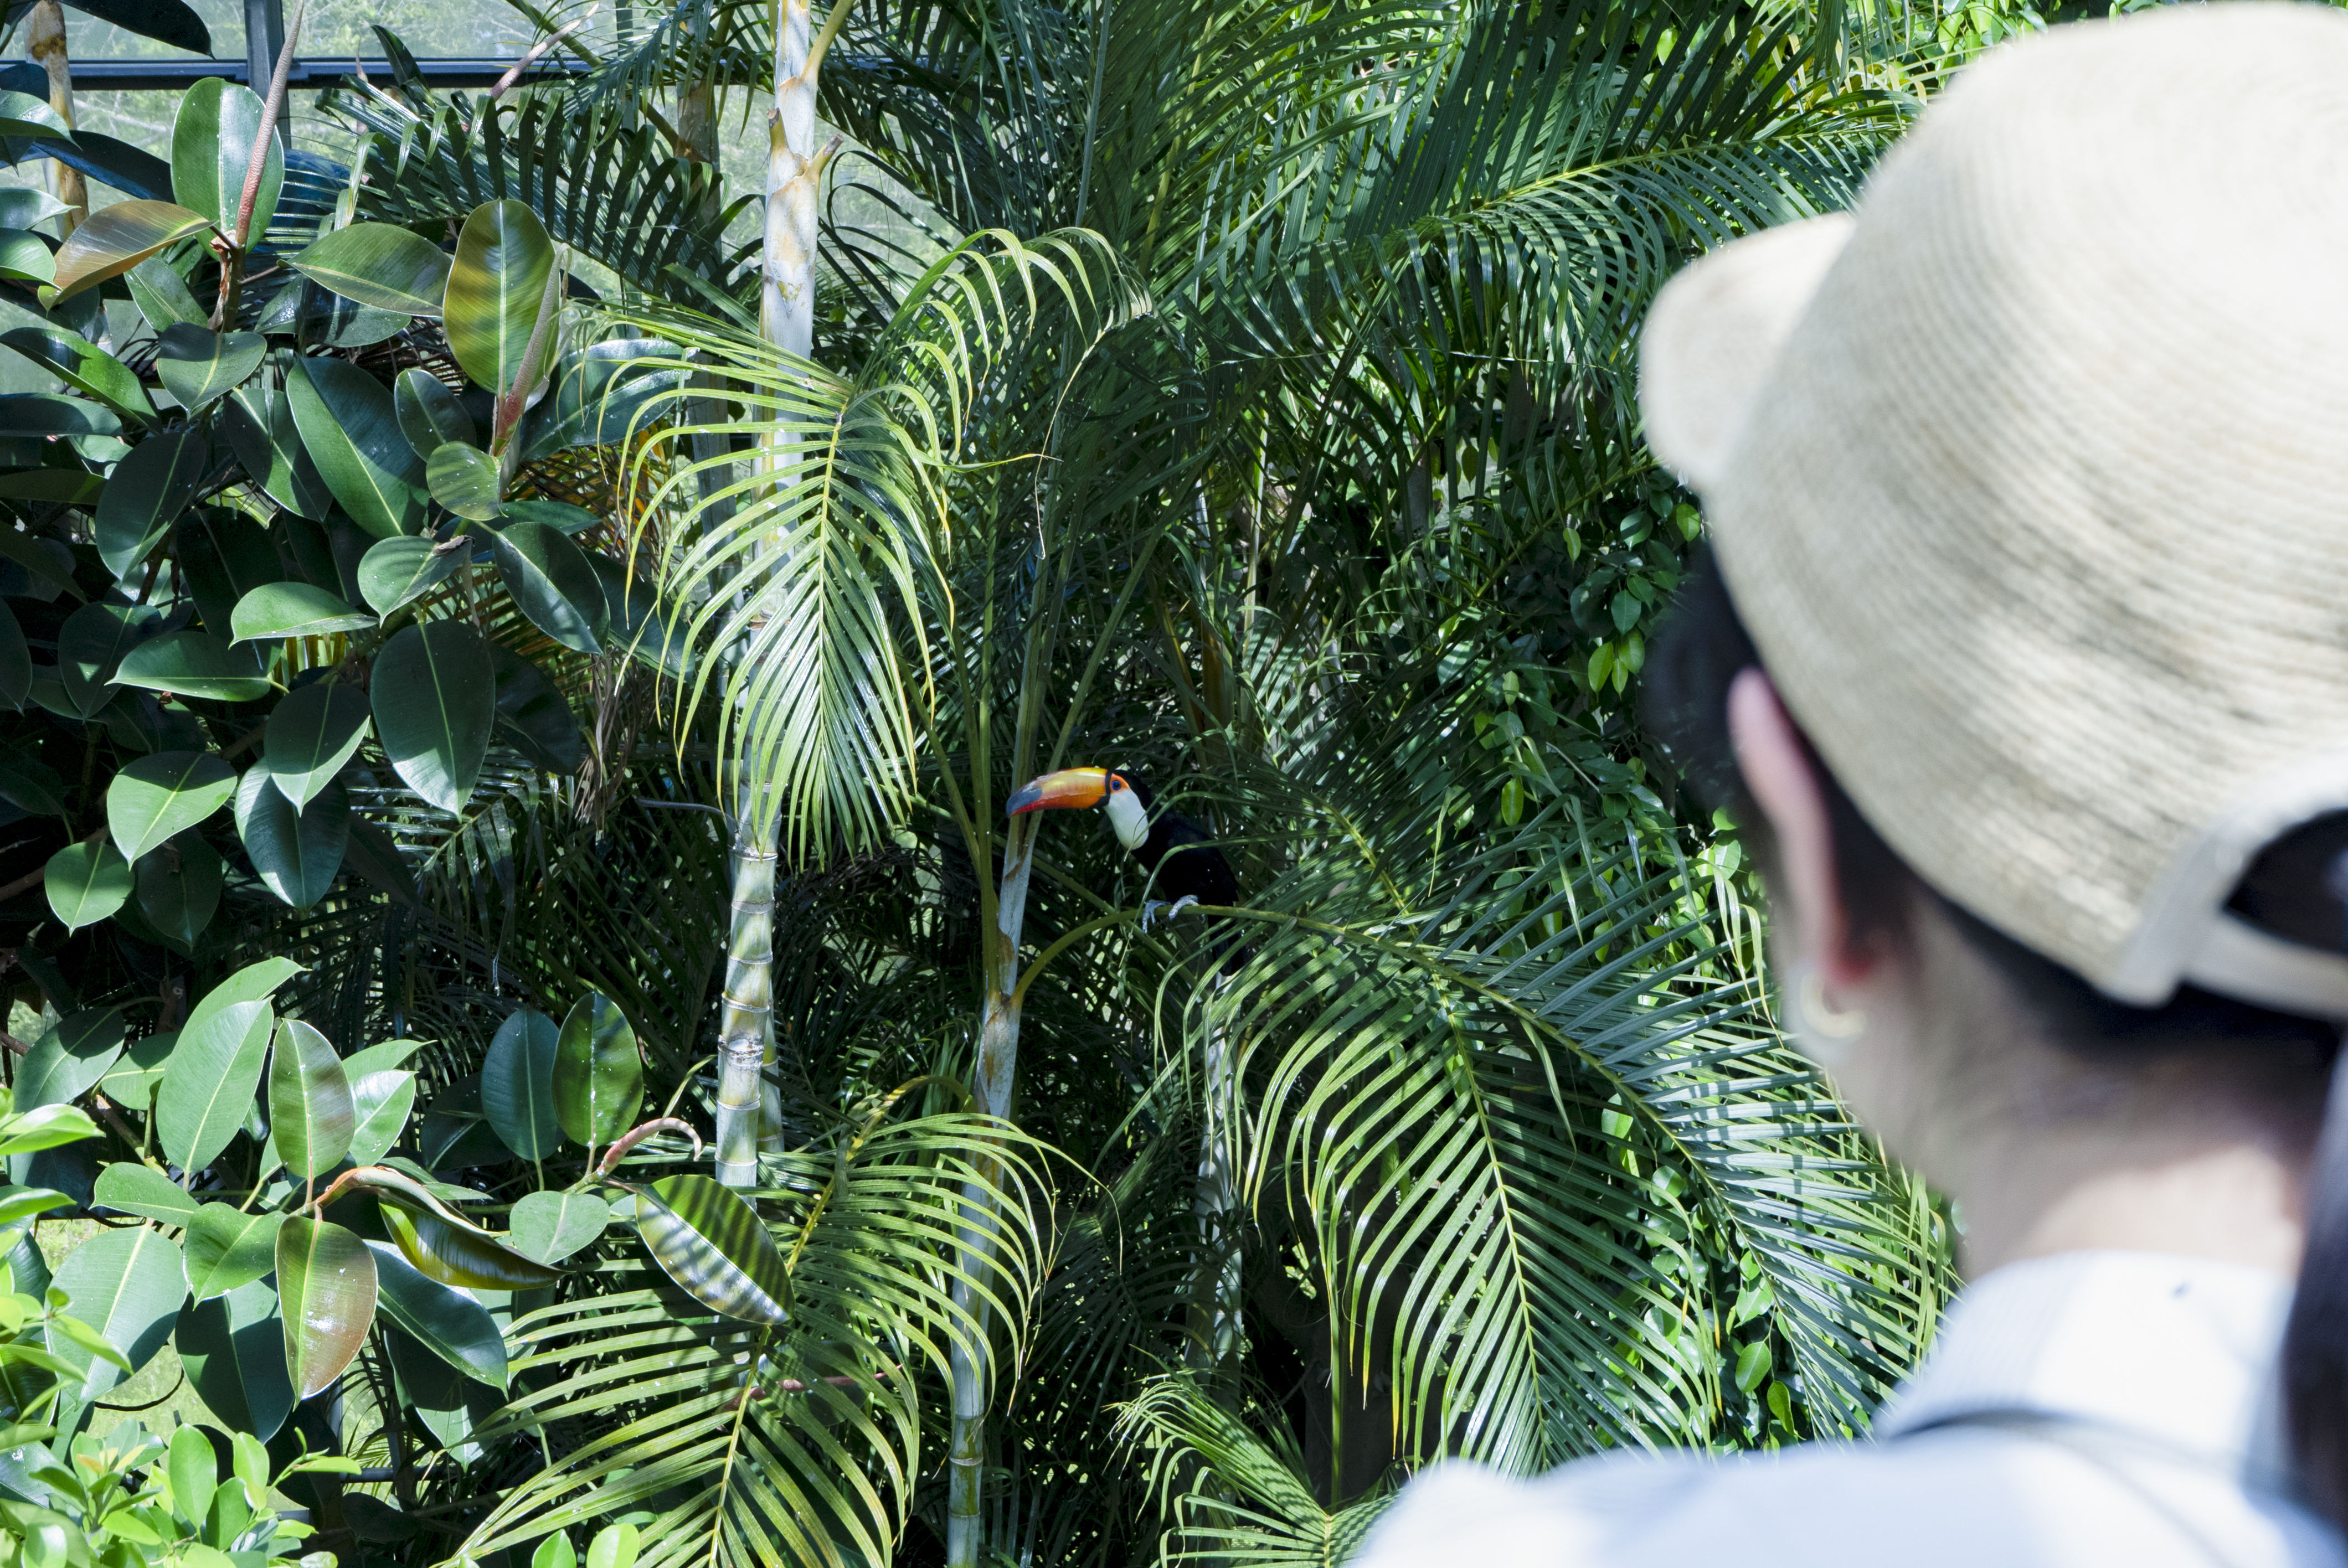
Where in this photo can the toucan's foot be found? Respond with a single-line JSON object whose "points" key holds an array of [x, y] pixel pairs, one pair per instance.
{"points": [[1149, 909]]}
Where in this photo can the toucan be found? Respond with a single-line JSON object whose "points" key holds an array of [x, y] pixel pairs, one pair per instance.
{"points": [[1188, 868]]}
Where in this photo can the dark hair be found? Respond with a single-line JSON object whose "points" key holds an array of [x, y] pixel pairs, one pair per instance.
{"points": [[2279, 1062]]}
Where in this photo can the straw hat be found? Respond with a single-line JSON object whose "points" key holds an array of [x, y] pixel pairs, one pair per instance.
{"points": [[2031, 481]]}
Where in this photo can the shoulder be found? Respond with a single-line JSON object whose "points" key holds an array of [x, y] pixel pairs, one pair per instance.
{"points": [[1967, 1499]]}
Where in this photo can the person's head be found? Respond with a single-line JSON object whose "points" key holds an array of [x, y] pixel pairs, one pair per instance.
{"points": [[2024, 654]]}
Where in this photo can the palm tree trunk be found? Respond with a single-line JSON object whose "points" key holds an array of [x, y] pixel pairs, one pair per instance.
{"points": [[746, 1026], [748, 1111], [1215, 1286], [45, 42], [998, 1063]]}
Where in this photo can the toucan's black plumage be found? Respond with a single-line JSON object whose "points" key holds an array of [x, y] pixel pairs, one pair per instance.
{"points": [[1180, 854]]}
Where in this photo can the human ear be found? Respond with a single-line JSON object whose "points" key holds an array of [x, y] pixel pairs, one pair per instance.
{"points": [[1805, 894]]}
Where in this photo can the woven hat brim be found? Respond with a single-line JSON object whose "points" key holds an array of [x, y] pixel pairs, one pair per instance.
{"points": [[1715, 332]]}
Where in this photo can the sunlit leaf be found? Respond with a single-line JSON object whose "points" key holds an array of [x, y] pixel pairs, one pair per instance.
{"points": [[327, 1281], [311, 1114], [710, 1242], [113, 239], [158, 795], [294, 609], [127, 1285], [517, 1083], [379, 264], [226, 1247], [194, 665], [201, 367], [599, 1075], [311, 734], [212, 140], [442, 1318], [550, 1227], [456, 1256], [495, 285]]}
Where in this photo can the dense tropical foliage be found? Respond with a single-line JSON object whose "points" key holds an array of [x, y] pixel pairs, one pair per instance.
{"points": [[516, 653]]}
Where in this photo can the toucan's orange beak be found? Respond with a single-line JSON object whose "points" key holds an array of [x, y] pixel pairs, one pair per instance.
{"points": [[1069, 788]]}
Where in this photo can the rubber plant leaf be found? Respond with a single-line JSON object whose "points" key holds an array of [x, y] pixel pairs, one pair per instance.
{"points": [[201, 367], [311, 733], [347, 426], [599, 1076], [379, 264], [446, 1321], [326, 1282], [86, 883], [158, 795], [518, 1084], [211, 153], [113, 239], [226, 1247], [311, 1114], [292, 609], [434, 696], [710, 1242]]}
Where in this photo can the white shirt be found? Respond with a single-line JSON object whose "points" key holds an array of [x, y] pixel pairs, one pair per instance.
{"points": [[2166, 1363]]}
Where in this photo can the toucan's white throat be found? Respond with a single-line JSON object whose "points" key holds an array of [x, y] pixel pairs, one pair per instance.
{"points": [[1125, 814]]}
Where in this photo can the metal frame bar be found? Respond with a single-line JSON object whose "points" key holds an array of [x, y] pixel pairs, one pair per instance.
{"points": [[309, 70]]}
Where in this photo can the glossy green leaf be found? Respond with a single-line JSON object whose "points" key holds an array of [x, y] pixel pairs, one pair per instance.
{"points": [[549, 578], [178, 886], [91, 646], [234, 1347], [127, 1285], [533, 717], [70, 1058], [28, 1131], [172, 21], [294, 609], [22, 206], [146, 494], [40, 415], [599, 1076], [194, 1470], [296, 851], [345, 419], [130, 1081], [597, 394], [327, 1281], [30, 784], [162, 296], [131, 1188], [22, 114], [86, 883], [614, 1546], [550, 1227], [464, 479], [444, 1320], [158, 795], [194, 665], [311, 1114], [455, 1256], [394, 571], [226, 1247], [517, 1083], [564, 518], [215, 1069], [382, 1095], [433, 697], [211, 153], [200, 367], [72, 486], [27, 257], [710, 1242], [260, 424], [15, 675], [555, 1552], [495, 285], [82, 365], [429, 413], [113, 239], [379, 264], [311, 734]]}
